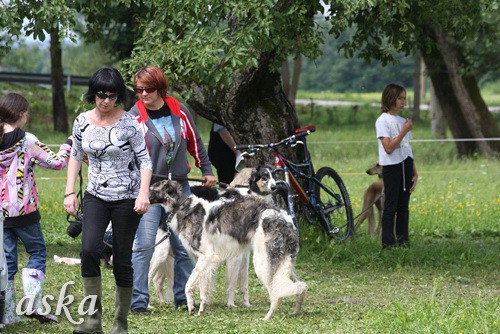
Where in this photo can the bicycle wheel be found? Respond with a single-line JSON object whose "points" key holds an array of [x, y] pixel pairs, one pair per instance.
{"points": [[334, 204]]}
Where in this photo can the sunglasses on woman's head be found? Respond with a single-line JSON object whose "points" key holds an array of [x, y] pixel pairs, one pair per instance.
{"points": [[141, 90], [105, 96]]}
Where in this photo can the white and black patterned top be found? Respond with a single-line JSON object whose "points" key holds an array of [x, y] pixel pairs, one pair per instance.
{"points": [[114, 153]]}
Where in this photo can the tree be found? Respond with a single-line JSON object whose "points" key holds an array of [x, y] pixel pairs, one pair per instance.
{"points": [[440, 31], [54, 17], [291, 85], [58, 19], [225, 57]]}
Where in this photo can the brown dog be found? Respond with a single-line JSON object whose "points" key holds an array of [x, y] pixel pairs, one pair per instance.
{"points": [[373, 196]]}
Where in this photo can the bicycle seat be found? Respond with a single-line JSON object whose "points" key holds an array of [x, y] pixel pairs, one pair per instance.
{"points": [[310, 128]]}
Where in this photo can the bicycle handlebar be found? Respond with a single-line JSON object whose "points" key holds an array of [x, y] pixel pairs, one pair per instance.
{"points": [[291, 140]]}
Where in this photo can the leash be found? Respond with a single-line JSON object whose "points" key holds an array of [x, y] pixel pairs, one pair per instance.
{"points": [[221, 184], [369, 207], [165, 223]]}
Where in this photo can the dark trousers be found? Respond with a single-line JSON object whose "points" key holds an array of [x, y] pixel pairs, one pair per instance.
{"points": [[97, 214], [395, 219], [225, 171]]}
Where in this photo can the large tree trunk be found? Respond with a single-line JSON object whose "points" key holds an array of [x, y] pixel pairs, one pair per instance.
{"points": [[294, 87], [458, 94], [255, 109], [481, 122], [59, 114], [438, 123], [417, 89], [285, 77], [290, 87]]}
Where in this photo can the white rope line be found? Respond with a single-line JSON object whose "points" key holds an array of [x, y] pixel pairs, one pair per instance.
{"points": [[412, 141], [373, 141]]}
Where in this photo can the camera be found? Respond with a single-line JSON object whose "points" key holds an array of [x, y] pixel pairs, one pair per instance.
{"points": [[75, 226]]}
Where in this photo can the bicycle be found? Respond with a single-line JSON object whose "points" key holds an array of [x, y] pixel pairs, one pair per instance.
{"points": [[322, 194]]}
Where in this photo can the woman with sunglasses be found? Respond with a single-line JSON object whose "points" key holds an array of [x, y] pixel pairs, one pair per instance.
{"points": [[119, 173], [170, 131]]}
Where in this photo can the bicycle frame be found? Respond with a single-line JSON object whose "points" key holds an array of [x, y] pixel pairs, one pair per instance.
{"points": [[290, 168], [311, 191], [307, 197]]}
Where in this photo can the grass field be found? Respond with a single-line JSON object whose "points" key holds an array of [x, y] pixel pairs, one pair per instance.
{"points": [[446, 282]]}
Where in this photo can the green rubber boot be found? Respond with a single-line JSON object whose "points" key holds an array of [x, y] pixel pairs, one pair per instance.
{"points": [[122, 307], [92, 324]]}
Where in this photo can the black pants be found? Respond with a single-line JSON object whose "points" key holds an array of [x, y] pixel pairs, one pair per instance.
{"points": [[97, 215], [222, 157], [395, 219]]}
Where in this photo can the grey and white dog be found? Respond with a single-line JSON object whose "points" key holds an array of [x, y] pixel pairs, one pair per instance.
{"points": [[215, 231], [257, 181]]}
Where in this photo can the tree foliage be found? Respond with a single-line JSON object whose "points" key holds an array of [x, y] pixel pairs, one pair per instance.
{"points": [[382, 29], [210, 42], [440, 30], [224, 57], [36, 18]]}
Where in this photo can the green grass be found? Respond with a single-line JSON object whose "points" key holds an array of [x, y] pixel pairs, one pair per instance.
{"points": [[446, 282]]}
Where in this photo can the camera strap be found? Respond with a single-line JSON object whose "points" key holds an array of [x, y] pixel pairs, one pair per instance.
{"points": [[79, 196]]}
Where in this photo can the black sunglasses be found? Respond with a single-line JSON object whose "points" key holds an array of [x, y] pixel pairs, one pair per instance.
{"points": [[141, 90], [105, 96]]}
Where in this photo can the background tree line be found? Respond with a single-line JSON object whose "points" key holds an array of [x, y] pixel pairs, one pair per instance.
{"points": [[226, 58], [329, 72]]}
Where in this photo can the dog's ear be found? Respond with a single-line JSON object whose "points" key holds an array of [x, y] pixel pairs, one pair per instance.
{"points": [[254, 176]]}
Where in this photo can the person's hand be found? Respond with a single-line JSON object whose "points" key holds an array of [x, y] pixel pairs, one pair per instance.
{"points": [[414, 180], [209, 180], [141, 204], [407, 126], [71, 204]]}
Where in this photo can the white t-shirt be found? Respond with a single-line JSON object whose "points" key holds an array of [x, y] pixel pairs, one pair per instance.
{"points": [[389, 126]]}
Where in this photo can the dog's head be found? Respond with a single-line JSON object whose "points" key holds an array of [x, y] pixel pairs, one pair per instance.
{"points": [[376, 169], [166, 193], [262, 180]]}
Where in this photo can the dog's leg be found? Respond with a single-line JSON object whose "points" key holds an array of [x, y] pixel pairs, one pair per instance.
{"points": [[232, 278], [371, 221], [169, 275], [193, 282], [206, 278], [243, 273], [161, 268], [298, 302], [364, 211], [158, 280], [284, 284], [274, 305]]}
